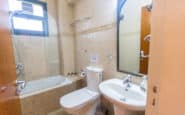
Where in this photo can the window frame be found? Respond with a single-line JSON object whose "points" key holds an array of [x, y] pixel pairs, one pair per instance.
{"points": [[43, 19]]}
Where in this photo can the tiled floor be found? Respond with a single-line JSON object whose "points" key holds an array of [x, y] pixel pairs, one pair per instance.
{"points": [[61, 112], [58, 112]]}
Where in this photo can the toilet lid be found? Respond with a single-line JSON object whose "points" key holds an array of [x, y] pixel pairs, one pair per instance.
{"points": [[78, 98], [94, 69]]}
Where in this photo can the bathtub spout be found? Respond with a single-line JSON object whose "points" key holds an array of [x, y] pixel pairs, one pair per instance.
{"points": [[20, 86]]}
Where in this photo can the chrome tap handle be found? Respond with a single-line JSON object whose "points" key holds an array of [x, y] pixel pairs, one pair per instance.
{"points": [[17, 82], [128, 79], [144, 84], [20, 85], [19, 68]]}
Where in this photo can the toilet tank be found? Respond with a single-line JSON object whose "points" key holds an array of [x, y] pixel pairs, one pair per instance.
{"points": [[94, 77]]}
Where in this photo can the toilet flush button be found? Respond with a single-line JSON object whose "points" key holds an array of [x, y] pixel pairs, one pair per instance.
{"points": [[94, 58]]}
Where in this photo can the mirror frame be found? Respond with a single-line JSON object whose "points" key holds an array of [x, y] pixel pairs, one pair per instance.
{"points": [[120, 5]]}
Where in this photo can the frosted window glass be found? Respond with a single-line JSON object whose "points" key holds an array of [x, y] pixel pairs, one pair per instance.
{"points": [[15, 5], [27, 24], [38, 10]]}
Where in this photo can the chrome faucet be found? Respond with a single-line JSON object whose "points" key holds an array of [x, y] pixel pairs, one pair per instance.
{"points": [[19, 68], [143, 84], [20, 84], [127, 81]]}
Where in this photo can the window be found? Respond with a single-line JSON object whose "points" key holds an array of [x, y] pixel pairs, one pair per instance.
{"points": [[28, 17]]}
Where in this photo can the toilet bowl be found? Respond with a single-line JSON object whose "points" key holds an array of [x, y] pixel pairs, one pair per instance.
{"points": [[80, 102], [84, 101]]}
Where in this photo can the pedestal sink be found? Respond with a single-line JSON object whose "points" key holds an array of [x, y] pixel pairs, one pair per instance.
{"points": [[126, 101]]}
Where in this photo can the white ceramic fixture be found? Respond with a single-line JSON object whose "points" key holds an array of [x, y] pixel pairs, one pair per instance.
{"points": [[85, 100], [126, 100]]}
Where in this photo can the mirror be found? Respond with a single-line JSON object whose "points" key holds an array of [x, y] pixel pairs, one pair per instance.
{"points": [[133, 33]]}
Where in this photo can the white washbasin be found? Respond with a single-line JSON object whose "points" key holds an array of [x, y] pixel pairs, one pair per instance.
{"points": [[133, 99]]}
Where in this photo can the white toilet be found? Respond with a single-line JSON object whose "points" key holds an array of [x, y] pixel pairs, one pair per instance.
{"points": [[85, 100]]}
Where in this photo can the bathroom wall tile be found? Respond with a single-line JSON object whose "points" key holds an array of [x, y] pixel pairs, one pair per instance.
{"points": [[101, 41], [66, 36], [100, 11], [39, 55], [97, 36]]}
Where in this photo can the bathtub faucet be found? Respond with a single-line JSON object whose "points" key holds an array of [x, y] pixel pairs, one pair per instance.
{"points": [[20, 85], [19, 68]]}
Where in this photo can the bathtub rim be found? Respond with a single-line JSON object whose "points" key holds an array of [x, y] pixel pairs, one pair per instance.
{"points": [[67, 82]]}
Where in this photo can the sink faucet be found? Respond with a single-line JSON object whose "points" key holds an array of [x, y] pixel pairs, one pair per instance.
{"points": [[143, 84], [127, 81]]}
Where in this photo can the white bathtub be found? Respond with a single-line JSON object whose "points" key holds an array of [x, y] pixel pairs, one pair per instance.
{"points": [[42, 85]]}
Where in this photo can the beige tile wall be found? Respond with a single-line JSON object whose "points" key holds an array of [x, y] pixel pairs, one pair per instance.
{"points": [[40, 55], [69, 46], [66, 36], [96, 35]]}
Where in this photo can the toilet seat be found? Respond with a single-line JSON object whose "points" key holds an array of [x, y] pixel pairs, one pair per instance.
{"points": [[78, 99]]}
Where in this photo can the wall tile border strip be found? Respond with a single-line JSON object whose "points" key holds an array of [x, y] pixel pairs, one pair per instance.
{"points": [[97, 29]]}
